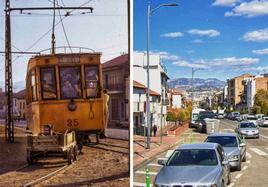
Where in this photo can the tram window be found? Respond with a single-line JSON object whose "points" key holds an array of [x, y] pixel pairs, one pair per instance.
{"points": [[48, 81], [92, 81], [33, 86], [70, 81]]}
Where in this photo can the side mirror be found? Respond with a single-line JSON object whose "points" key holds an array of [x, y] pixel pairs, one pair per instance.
{"points": [[161, 162], [225, 162], [242, 145]]}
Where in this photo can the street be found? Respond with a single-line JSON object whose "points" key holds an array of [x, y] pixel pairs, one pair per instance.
{"points": [[253, 171]]}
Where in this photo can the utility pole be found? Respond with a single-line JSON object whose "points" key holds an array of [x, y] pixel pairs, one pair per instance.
{"points": [[53, 42], [9, 124]]}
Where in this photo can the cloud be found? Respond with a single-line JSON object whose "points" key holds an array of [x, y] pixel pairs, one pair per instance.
{"points": [[172, 35], [197, 41], [233, 61], [228, 3], [184, 63], [261, 51], [256, 35], [163, 55], [250, 9], [209, 33], [218, 62], [261, 69]]}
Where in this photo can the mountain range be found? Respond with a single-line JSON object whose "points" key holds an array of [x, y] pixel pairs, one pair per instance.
{"points": [[199, 84]]}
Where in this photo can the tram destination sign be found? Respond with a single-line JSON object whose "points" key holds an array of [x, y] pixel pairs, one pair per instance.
{"points": [[70, 60]]}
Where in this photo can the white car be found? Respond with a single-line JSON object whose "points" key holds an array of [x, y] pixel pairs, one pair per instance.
{"points": [[263, 122], [253, 119]]}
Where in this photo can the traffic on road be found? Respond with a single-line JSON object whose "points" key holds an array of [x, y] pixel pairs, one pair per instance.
{"points": [[233, 154]]}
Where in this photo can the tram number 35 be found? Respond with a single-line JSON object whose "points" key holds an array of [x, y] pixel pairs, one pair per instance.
{"points": [[72, 122]]}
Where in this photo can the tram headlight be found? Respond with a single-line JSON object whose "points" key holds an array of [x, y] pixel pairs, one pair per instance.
{"points": [[72, 106]]}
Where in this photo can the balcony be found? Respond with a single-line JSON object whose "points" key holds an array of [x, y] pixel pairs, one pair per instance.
{"points": [[115, 87]]}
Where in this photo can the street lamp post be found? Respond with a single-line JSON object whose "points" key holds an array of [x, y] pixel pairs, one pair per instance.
{"points": [[149, 13]]}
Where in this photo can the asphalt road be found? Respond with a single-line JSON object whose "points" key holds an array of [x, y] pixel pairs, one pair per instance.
{"points": [[254, 171]]}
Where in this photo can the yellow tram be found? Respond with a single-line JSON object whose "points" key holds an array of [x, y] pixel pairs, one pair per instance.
{"points": [[65, 91]]}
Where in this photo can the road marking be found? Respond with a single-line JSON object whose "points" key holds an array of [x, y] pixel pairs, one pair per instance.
{"points": [[231, 185], [238, 175], [169, 153], [155, 165], [232, 130], [259, 152], [264, 136], [162, 158], [140, 184], [143, 172], [248, 162], [245, 167]]}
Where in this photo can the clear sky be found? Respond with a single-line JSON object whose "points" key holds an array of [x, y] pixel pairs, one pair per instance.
{"points": [[105, 30], [223, 38]]}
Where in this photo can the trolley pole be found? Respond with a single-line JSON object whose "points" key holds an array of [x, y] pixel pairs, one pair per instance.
{"points": [[9, 125]]}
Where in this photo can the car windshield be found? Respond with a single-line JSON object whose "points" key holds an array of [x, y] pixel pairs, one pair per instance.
{"points": [[207, 115], [252, 118], [195, 117], [225, 141], [247, 125], [197, 157]]}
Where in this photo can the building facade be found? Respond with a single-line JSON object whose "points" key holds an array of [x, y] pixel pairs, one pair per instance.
{"points": [[158, 83], [116, 79]]}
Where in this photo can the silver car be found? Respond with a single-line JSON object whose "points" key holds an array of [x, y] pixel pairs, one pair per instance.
{"points": [[247, 129], [233, 147], [263, 122], [192, 165]]}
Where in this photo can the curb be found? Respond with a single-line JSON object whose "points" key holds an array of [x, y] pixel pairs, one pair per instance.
{"points": [[145, 162]]}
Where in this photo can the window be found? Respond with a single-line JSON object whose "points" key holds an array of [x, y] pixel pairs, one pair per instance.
{"points": [[92, 81], [114, 109], [33, 86], [70, 81], [48, 83]]}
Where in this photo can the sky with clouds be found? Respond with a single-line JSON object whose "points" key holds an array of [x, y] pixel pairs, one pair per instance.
{"points": [[221, 38], [105, 30]]}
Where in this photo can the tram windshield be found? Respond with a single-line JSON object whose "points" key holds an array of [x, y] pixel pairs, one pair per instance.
{"points": [[70, 81], [48, 80], [92, 81]]}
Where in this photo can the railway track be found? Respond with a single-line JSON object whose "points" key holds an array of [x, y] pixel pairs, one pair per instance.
{"points": [[30, 175]]}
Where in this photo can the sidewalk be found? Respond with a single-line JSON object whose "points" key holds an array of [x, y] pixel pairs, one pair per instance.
{"points": [[142, 155]]}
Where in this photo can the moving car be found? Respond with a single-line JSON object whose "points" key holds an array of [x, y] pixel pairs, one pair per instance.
{"points": [[233, 147], [220, 114], [194, 117], [253, 119], [200, 164], [263, 122], [247, 129], [201, 123]]}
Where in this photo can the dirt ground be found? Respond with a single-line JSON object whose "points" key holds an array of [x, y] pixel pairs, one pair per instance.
{"points": [[105, 164]]}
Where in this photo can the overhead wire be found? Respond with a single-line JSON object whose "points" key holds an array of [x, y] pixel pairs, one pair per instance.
{"points": [[39, 39]]}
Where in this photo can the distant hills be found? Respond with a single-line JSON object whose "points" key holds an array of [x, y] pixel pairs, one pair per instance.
{"points": [[199, 84], [17, 86]]}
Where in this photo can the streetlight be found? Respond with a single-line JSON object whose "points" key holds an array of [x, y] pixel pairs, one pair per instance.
{"points": [[150, 13], [193, 71]]}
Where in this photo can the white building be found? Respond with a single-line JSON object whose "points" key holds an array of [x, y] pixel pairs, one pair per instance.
{"points": [[158, 84]]}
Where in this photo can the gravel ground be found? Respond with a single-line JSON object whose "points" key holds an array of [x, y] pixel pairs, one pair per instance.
{"points": [[105, 164]]}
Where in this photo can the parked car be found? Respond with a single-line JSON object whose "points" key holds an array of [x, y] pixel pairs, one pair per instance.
{"points": [[233, 147], [247, 129], [263, 122], [201, 123], [200, 164]]}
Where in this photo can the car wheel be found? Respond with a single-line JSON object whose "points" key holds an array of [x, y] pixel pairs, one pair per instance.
{"points": [[244, 158], [229, 179], [239, 166]]}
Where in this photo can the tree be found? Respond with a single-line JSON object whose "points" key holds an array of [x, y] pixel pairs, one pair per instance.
{"points": [[261, 102]]}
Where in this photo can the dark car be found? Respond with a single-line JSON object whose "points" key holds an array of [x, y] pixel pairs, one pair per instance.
{"points": [[201, 123]]}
